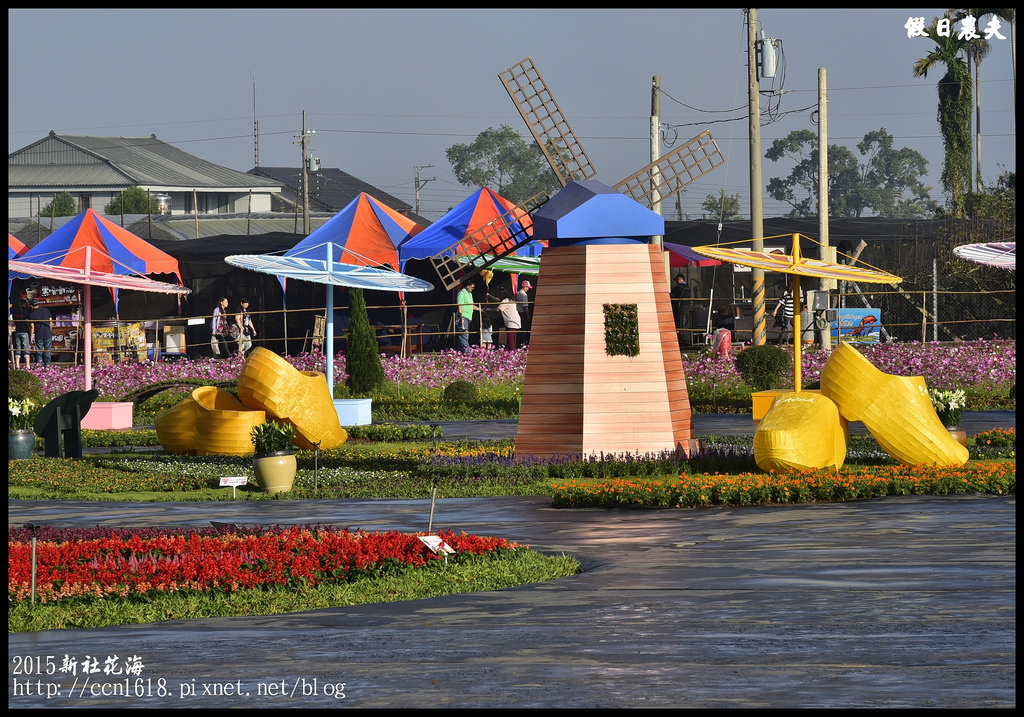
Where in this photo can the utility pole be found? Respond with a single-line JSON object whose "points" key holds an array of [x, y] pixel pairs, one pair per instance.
{"points": [[418, 184], [825, 253], [255, 126], [756, 208], [679, 201], [304, 141], [658, 241]]}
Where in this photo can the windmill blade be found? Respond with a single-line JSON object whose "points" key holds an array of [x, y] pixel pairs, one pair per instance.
{"points": [[542, 115], [492, 242], [680, 167]]}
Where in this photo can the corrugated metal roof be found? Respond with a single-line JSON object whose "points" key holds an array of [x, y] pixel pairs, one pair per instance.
{"points": [[183, 227], [100, 161], [332, 189]]}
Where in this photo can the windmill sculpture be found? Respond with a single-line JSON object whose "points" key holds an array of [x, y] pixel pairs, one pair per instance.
{"points": [[604, 372]]}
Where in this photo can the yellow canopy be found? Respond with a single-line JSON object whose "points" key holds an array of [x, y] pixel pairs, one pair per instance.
{"points": [[798, 266]]}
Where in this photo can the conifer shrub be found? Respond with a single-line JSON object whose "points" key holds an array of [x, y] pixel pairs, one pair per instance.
{"points": [[362, 361]]}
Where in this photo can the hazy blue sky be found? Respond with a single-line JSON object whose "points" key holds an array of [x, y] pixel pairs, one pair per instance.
{"points": [[389, 90]]}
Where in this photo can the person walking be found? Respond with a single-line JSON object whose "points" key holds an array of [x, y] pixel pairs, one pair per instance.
{"points": [[220, 329], [783, 313], [246, 330], [464, 314], [22, 335], [41, 332], [525, 311], [510, 315]]}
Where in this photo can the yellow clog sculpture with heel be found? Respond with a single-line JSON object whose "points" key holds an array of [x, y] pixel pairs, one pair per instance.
{"points": [[302, 398], [895, 409]]}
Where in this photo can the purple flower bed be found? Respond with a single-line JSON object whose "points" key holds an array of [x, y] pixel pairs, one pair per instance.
{"points": [[961, 364]]}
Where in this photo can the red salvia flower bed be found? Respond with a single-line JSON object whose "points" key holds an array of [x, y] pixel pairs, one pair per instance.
{"points": [[124, 563]]}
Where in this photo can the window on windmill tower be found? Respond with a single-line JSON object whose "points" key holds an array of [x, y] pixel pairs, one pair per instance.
{"points": [[621, 330]]}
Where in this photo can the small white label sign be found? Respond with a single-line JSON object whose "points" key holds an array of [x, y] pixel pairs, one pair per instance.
{"points": [[233, 481], [437, 545]]}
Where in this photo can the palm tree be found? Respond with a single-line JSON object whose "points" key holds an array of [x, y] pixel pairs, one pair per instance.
{"points": [[954, 112], [977, 49]]}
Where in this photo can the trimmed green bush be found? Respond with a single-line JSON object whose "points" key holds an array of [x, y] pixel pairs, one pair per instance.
{"points": [[763, 367], [460, 392], [25, 384]]}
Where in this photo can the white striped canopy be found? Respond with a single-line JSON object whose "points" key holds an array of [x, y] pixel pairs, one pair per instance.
{"points": [[319, 272], [1000, 254], [74, 275]]}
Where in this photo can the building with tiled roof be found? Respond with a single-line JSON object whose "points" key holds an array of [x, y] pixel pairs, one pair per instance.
{"points": [[330, 190]]}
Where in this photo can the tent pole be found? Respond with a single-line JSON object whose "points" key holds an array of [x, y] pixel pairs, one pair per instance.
{"points": [[330, 323], [284, 312], [405, 325]]}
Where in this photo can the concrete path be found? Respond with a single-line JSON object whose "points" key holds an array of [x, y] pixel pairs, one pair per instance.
{"points": [[896, 602]]}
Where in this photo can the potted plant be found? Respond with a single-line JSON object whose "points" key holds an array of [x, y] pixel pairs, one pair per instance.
{"points": [[948, 405], [274, 461], [21, 438]]}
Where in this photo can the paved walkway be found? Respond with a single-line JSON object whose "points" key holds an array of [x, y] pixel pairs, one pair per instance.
{"points": [[897, 602]]}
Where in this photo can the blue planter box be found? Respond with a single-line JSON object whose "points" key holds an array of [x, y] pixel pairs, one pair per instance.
{"points": [[354, 411]]}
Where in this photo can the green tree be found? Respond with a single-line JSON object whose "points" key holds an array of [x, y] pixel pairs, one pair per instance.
{"points": [[723, 206], [503, 161], [135, 200], [995, 206], [881, 184], [954, 110], [63, 205], [362, 360]]}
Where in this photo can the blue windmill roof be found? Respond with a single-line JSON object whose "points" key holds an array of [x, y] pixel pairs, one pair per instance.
{"points": [[588, 209]]}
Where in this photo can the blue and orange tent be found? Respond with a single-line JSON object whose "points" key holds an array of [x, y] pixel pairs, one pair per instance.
{"points": [[366, 232], [452, 231], [111, 249], [15, 247]]}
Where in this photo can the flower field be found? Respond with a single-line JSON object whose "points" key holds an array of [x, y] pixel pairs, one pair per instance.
{"points": [[132, 563], [977, 367]]}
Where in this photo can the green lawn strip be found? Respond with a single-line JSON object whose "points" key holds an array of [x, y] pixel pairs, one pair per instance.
{"points": [[511, 568]]}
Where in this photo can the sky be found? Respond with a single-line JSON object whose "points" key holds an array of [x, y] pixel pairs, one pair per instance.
{"points": [[388, 91]]}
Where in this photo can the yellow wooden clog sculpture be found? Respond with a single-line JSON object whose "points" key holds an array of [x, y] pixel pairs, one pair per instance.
{"points": [[896, 409], [302, 398], [176, 427], [801, 430], [210, 421]]}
